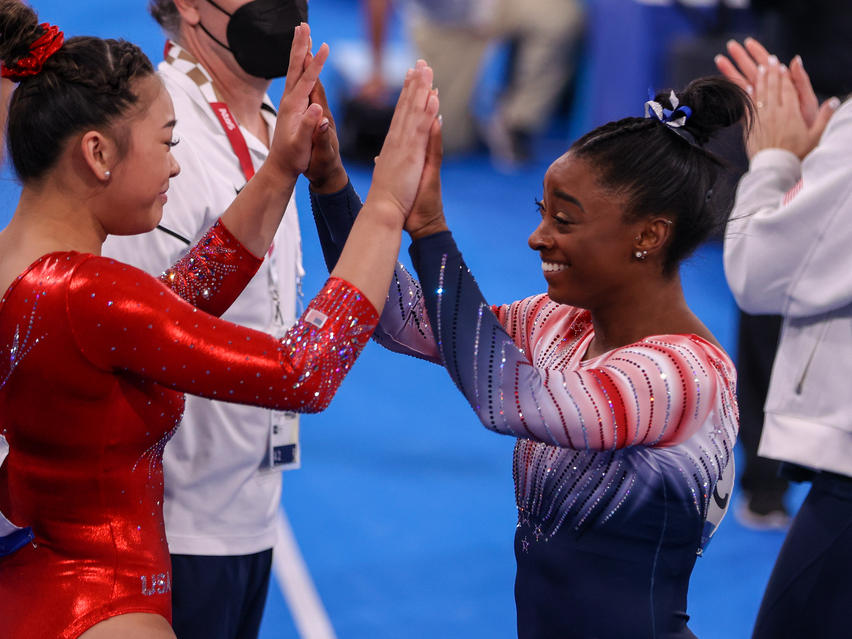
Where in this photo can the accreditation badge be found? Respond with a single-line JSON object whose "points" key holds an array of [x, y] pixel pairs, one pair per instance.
{"points": [[282, 451]]}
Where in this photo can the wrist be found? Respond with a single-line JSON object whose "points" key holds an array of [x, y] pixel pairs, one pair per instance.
{"points": [[430, 228], [275, 179], [272, 173], [383, 211], [332, 182]]}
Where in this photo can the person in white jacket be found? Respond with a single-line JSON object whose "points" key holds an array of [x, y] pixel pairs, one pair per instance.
{"points": [[787, 252]]}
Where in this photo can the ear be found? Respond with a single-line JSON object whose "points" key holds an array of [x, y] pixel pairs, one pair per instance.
{"points": [[100, 154], [188, 10], [653, 234]]}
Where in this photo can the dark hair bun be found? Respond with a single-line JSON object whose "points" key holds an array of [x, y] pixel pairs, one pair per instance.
{"points": [[665, 170], [716, 104], [87, 83]]}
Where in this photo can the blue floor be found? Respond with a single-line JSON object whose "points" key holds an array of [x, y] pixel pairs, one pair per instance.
{"points": [[404, 507]]}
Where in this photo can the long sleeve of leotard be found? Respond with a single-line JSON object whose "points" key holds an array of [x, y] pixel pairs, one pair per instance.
{"points": [[404, 324], [123, 319], [214, 272], [656, 392]]}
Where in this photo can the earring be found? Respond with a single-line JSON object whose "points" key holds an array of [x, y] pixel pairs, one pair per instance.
{"points": [[641, 255], [107, 174]]}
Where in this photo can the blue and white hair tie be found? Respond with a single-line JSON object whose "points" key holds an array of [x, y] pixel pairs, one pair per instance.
{"points": [[675, 117]]}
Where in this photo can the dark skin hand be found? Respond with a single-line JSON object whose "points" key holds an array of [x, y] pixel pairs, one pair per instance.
{"points": [[325, 170], [427, 215]]}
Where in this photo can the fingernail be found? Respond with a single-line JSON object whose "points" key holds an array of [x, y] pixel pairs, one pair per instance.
{"points": [[441, 119], [717, 58], [749, 89], [761, 69], [834, 103], [783, 68], [409, 73], [731, 42], [797, 60], [773, 60], [324, 124]]}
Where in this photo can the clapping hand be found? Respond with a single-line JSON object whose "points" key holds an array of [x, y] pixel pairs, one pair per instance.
{"points": [[788, 114]]}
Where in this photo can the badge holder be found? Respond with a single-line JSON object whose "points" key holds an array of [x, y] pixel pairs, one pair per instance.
{"points": [[282, 451]]}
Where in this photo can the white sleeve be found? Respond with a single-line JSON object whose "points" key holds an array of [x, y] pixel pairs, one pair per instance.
{"points": [[787, 241]]}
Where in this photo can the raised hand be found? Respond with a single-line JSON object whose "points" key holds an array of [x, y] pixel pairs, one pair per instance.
{"points": [[325, 171], [779, 121], [427, 213], [400, 164], [742, 68], [298, 117]]}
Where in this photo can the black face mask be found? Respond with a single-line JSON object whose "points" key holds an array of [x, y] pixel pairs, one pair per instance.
{"points": [[260, 34]]}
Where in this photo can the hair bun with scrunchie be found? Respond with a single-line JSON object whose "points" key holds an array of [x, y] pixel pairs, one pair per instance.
{"points": [[41, 49]]}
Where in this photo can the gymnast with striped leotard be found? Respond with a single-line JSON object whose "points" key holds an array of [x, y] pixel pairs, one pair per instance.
{"points": [[622, 401]]}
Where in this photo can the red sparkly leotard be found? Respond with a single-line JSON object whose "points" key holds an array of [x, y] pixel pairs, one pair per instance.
{"points": [[94, 358]]}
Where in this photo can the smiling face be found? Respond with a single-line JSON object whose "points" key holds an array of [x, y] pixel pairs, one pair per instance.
{"points": [[586, 247], [140, 179]]}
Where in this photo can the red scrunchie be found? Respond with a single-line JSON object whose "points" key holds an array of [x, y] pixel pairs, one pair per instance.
{"points": [[45, 46]]}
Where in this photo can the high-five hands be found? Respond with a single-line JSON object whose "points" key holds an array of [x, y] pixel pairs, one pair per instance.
{"points": [[427, 213], [399, 166], [787, 112], [298, 117], [325, 171]]}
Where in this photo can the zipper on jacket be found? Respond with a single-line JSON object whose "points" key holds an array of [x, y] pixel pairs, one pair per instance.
{"points": [[822, 333]]}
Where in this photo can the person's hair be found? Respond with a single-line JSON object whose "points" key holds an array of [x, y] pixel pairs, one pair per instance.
{"points": [[86, 84], [167, 16], [661, 170]]}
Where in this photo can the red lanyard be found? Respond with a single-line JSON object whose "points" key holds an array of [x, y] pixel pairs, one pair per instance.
{"points": [[225, 117], [235, 137], [228, 122]]}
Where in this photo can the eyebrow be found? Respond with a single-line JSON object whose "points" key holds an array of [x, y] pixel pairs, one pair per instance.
{"points": [[562, 195], [170, 124]]}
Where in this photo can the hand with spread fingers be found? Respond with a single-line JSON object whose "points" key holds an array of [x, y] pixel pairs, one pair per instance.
{"points": [[779, 118]]}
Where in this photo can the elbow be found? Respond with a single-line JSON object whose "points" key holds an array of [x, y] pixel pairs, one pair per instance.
{"points": [[495, 420], [753, 292], [308, 398], [754, 303]]}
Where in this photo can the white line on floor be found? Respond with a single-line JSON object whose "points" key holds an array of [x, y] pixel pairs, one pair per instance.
{"points": [[295, 582]]}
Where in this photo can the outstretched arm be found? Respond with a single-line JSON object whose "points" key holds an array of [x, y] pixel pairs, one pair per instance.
{"points": [[370, 252], [404, 325], [124, 320]]}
